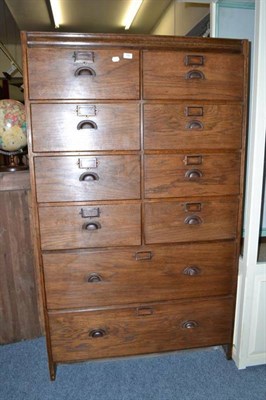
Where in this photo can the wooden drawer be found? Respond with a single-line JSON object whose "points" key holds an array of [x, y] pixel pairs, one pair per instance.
{"points": [[65, 73], [184, 75], [89, 226], [85, 127], [145, 329], [172, 175], [192, 219], [192, 125], [98, 278], [71, 178]]}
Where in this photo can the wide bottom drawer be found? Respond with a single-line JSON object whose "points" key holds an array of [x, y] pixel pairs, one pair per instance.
{"points": [[149, 328], [97, 278]]}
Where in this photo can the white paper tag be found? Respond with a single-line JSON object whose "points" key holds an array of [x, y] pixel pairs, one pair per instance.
{"points": [[116, 59], [129, 56]]}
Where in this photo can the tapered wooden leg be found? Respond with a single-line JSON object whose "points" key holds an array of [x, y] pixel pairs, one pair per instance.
{"points": [[228, 351], [52, 370]]}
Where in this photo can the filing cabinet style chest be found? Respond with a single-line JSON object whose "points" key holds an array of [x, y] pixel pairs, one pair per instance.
{"points": [[136, 147]]}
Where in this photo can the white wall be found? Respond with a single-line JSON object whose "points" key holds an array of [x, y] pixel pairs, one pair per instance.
{"points": [[180, 17]]}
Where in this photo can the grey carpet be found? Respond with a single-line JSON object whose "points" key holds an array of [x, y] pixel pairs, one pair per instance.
{"points": [[191, 375]]}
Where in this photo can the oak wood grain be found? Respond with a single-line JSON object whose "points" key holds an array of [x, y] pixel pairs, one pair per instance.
{"points": [[170, 125], [55, 127], [164, 76], [127, 332], [84, 178], [112, 80], [178, 175], [92, 278], [63, 227]]}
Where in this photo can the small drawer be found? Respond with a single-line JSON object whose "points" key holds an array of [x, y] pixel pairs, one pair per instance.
{"points": [[177, 175], [68, 227], [91, 278], [65, 73], [85, 127], [192, 125], [168, 75], [84, 178], [146, 329], [193, 219]]}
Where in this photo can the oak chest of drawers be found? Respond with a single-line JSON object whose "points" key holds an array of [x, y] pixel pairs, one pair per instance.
{"points": [[136, 147]]}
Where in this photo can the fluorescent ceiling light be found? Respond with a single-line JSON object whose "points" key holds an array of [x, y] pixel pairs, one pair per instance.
{"points": [[57, 13], [132, 12]]}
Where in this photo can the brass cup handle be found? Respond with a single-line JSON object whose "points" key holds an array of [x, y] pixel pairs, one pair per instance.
{"points": [[195, 125], [87, 124], [193, 174], [97, 333], [194, 74], [190, 324], [84, 71], [91, 226], [94, 278], [193, 220], [89, 177], [191, 271]]}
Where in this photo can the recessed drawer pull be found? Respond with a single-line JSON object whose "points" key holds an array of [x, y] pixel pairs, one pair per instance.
{"points": [[91, 226], [193, 174], [97, 333], [143, 255], [191, 271], [89, 177], [195, 74], [84, 71], [87, 124], [193, 220], [94, 278], [195, 125], [190, 324]]}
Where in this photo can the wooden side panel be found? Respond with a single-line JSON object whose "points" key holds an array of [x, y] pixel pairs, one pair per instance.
{"points": [[19, 317]]}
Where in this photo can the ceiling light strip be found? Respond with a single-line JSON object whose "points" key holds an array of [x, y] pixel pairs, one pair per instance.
{"points": [[56, 11], [132, 12]]}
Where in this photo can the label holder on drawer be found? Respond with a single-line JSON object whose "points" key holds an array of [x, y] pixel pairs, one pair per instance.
{"points": [[87, 163]]}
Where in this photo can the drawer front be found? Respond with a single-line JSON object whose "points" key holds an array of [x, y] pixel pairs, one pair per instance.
{"points": [[190, 220], [192, 125], [85, 127], [89, 226], [72, 178], [139, 330], [58, 73], [183, 75], [172, 175], [92, 278]]}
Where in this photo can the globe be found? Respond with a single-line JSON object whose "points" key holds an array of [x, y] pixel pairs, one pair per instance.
{"points": [[12, 126]]}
